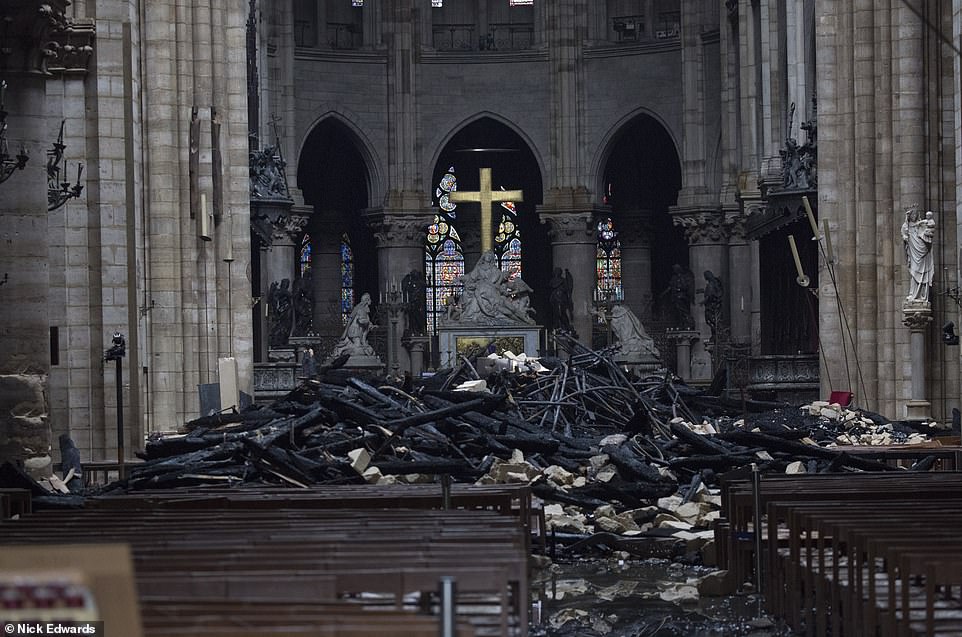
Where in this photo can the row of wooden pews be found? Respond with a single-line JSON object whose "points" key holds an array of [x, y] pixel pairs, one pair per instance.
{"points": [[853, 553], [354, 561]]}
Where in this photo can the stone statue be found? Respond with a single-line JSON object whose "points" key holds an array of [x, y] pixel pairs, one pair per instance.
{"points": [[633, 339], [491, 297], [280, 306], [412, 286], [354, 338], [561, 285], [680, 293], [712, 301], [303, 304], [918, 231], [267, 174]]}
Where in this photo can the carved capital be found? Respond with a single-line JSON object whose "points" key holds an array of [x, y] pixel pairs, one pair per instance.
{"points": [[703, 227], [34, 38], [396, 230], [634, 227], [736, 223], [74, 46], [288, 227], [916, 315], [570, 227]]}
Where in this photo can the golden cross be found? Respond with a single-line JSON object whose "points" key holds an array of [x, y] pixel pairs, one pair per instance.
{"points": [[485, 196]]}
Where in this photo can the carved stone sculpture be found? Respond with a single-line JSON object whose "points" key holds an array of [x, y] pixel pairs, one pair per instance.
{"points": [[633, 340], [490, 297], [680, 293], [280, 306], [561, 285], [267, 174], [712, 301], [918, 231], [412, 285], [354, 338], [303, 294]]}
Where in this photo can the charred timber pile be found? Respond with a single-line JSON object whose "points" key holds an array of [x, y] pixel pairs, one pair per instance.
{"points": [[605, 450]]}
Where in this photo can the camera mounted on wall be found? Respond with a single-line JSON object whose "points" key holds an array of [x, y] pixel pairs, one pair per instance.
{"points": [[118, 348]]}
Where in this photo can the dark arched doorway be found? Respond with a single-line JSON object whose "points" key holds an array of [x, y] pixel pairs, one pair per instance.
{"points": [[334, 178], [641, 180], [488, 143]]}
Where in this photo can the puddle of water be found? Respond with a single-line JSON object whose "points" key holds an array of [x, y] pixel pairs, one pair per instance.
{"points": [[626, 597]]}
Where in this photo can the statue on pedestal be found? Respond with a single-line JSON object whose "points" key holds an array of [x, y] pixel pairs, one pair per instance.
{"points": [[680, 293], [303, 301], [561, 304], [712, 301], [491, 297], [918, 231], [412, 287], [354, 338], [280, 306], [633, 340]]}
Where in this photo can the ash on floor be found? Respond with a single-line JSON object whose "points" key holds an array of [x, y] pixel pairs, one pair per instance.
{"points": [[640, 598]]}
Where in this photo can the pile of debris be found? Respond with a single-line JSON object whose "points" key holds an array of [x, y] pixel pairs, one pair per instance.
{"points": [[609, 453]]}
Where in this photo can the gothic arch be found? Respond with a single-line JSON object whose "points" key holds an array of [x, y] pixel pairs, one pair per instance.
{"points": [[376, 189], [610, 140], [441, 145]]}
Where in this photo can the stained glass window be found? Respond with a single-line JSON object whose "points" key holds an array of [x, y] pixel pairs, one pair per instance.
{"points": [[608, 264], [443, 265], [304, 259], [508, 240], [347, 278], [444, 258]]}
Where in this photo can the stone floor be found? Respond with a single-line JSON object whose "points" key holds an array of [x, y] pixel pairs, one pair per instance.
{"points": [[640, 598]]}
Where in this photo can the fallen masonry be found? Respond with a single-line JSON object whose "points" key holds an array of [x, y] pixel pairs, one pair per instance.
{"points": [[616, 464]]}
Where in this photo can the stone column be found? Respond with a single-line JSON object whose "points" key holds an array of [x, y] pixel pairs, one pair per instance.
{"points": [[917, 317], [634, 232], [683, 341], [25, 363], [400, 236], [707, 250], [24, 259], [281, 257], [740, 280], [573, 239]]}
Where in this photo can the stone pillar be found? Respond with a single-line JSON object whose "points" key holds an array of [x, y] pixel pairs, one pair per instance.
{"points": [[917, 317], [683, 340], [24, 338], [415, 346], [280, 259], [400, 236], [739, 280], [634, 232], [573, 239], [707, 250], [29, 32]]}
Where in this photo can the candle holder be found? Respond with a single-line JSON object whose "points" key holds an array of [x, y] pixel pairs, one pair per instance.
{"points": [[59, 192], [8, 163], [394, 302]]}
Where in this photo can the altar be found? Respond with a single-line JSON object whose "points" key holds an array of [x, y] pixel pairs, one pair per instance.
{"points": [[454, 342]]}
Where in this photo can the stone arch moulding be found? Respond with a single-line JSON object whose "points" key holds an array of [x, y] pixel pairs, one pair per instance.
{"points": [[440, 145], [376, 191], [610, 140]]}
